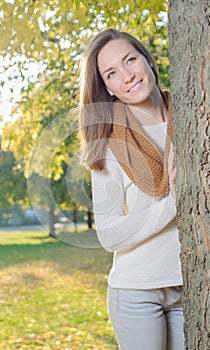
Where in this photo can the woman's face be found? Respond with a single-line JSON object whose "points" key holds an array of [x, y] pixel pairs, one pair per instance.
{"points": [[126, 73]]}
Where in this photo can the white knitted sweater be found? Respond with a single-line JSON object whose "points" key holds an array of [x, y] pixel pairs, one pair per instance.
{"points": [[140, 230]]}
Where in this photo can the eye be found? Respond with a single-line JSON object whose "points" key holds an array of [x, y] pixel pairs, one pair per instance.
{"points": [[131, 60], [110, 75]]}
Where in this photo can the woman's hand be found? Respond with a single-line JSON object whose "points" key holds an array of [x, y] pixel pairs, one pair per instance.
{"points": [[172, 171]]}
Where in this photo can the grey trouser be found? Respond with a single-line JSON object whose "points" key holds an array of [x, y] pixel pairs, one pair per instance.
{"points": [[147, 319]]}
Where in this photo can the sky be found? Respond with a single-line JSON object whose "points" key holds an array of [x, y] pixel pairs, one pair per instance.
{"points": [[11, 84]]}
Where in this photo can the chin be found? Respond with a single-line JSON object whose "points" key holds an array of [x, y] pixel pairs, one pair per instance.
{"points": [[138, 100]]}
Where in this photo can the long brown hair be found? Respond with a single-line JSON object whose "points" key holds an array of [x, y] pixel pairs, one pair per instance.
{"points": [[95, 119]]}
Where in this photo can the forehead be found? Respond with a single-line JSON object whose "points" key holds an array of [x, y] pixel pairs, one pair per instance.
{"points": [[113, 51], [117, 44]]}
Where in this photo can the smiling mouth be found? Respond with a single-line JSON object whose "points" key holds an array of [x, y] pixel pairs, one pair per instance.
{"points": [[136, 86]]}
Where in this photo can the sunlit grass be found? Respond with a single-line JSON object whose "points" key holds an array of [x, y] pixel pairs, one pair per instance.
{"points": [[52, 295]]}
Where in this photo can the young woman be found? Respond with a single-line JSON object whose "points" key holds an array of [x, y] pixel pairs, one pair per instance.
{"points": [[126, 130]]}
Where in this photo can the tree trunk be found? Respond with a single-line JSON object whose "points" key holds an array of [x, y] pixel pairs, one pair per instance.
{"points": [[89, 219], [188, 33], [75, 217], [52, 222]]}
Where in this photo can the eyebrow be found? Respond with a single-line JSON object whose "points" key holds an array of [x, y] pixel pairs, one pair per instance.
{"points": [[123, 59]]}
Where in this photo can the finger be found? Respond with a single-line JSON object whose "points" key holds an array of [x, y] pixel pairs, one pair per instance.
{"points": [[171, 151], [171, 158], [173, 175]]}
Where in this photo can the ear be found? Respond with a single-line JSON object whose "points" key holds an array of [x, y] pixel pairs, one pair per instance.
{"points": [[110, 92]]}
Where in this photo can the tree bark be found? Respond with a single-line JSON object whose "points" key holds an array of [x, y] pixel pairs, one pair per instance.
{"points": [[89, 219], [190, 77], [52, 220], [75, 217]]}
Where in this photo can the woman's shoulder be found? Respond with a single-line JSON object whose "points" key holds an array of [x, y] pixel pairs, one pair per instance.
{"points": [[112, 167], [110, 160]]}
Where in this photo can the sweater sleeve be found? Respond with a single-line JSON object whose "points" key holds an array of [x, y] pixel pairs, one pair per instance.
{"points": [[115, 229]]}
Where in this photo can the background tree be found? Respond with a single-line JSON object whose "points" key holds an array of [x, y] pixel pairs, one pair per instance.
{"points": [[54, 33], [79, 187], [57, 32], [13, 184], [190, 93]]}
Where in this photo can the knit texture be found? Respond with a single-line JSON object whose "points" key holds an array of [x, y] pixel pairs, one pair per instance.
{"points": [[139, 229], [140, 157]]}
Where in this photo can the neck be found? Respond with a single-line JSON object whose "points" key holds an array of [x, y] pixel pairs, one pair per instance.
{"points": [[151, 111]]}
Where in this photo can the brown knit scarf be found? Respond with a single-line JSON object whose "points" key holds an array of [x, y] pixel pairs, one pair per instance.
{"points": [[139, 156]]}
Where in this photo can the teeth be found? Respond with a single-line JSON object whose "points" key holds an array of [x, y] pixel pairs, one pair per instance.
{"points": [[135, 86]]}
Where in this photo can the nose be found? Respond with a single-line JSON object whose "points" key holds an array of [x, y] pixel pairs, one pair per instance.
{"points": [[128, 76]]}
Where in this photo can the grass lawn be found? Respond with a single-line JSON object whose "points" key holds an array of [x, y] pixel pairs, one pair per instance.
{"points": [[52, 294]]}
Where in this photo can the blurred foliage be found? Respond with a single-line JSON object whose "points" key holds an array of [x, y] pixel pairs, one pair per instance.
{"points": [[12, 182], [52, 35], [40, 29]]}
